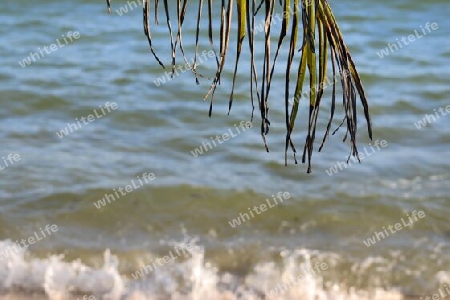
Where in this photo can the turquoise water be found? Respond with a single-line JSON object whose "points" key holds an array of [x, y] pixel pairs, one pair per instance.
{"points": [[153, 129]]}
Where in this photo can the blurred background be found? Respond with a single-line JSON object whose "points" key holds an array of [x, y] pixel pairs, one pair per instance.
{"points": [[157, 124]]}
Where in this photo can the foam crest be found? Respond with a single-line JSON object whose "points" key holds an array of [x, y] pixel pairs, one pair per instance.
{"points": [[300, 276]]}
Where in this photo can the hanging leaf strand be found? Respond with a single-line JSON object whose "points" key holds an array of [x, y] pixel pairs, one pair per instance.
{"points": [[320, 36]]}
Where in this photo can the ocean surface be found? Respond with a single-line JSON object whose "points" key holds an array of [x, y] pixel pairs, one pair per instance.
{"points": [[375, 230]]}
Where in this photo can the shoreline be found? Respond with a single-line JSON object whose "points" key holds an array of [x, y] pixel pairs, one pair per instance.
{"points": [[134, 296]]}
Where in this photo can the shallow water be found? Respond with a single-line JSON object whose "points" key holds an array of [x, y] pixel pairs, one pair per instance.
{"points": [[326, 220]]}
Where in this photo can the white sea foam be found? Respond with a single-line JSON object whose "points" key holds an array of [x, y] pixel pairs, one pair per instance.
{"points": [[189, 279]]}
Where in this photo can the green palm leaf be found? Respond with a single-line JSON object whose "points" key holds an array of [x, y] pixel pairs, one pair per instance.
{"points": [[318, 22]]}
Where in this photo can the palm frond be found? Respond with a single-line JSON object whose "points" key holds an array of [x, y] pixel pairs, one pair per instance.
{"points": [[322, 42]]}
